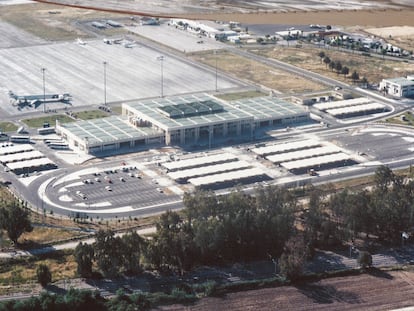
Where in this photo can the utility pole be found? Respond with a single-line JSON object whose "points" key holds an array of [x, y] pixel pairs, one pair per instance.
{"points": [[104, 65], [44, 89], [215, 54], [161, 59]]}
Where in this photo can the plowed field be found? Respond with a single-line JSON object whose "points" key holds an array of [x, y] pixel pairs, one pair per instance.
{"points": [[379, 291]]}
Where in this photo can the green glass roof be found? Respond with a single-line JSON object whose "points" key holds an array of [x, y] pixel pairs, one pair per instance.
{"points": [[196, 108]]}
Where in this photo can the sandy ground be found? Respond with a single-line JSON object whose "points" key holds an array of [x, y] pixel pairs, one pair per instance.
{"points": [[393, 31]]}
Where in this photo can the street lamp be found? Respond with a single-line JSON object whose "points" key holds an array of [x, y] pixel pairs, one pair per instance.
{"points": [[215, 54], [104, 65], [161, 59], [44, 89]]}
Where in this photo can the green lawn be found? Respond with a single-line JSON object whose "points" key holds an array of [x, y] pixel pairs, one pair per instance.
{"points": [[91, 114], [38, 122], [240, 95], [117, 110], [408, 119], [8, 127]]}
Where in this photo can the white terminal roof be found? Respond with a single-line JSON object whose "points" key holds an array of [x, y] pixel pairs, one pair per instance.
{"points": [[108, 130], [354, 109], [343, 103], [29, 163], [301, 154], [207, 170], [201, 161], [226, 177], [15, 149], [21, 156], [278, 148], [310, 162], [177, 112]]}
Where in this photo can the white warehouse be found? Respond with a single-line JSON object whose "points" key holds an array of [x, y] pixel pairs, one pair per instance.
{"points": [[399, 87]]}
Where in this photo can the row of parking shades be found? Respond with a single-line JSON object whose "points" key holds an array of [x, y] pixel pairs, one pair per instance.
{"points": [[23, 159], [225, 170]]}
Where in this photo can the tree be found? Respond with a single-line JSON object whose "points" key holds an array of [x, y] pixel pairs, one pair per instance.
{"points": [[355, 76], [43, 275], [345, 71], [132, 246], [15, 220], [293, 258], [84, 255], [338, 67], [332, 65], [108, 252], [364, 259], [326, 60], [364, 81], [321, 55], [383, 178]]}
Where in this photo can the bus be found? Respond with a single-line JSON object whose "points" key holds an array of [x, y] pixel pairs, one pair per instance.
{"points": [[20, 139], [46, 130], [60, 146]]}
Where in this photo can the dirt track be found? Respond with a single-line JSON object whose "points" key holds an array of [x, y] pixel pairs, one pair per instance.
{"points": [[381, 17], [374, 18], [381, 291]]}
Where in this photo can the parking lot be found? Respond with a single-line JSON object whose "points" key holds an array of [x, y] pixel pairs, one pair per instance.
{"points": [[112, 188]]}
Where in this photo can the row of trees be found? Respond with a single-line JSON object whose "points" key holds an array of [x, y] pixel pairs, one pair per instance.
{"points": [[112, 254], [385, 211], [211, 230], [338, 67], [238, 227]]}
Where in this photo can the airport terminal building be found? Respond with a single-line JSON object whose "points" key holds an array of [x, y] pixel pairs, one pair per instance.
{"points": [[180, 120]]}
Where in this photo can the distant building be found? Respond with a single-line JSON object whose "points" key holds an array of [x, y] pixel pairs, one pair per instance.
{"points": [[399, 87], [113, 23], [98, 25], [149, 21]]}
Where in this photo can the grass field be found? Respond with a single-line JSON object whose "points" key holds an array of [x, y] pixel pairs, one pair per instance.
{"points": [[91, 114], [8, 127], [406, 118], [23, 270], [38, 122]]}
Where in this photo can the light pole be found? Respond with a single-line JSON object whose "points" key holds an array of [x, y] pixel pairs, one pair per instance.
{"points": [[44, 89], [161, 59], [215, 54], [104, 65]]}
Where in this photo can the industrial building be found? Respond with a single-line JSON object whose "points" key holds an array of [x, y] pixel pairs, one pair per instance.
{"points": [[186, 119], [399, 87]]}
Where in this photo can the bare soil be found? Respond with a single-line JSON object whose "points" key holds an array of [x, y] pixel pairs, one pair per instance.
{"points": [[252, 71], [373, 68], [377, 291]]}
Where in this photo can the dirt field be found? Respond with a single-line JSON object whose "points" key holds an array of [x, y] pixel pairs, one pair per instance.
{"points": [[382, 291], [346, 12], [259, 74], [373, 68]]}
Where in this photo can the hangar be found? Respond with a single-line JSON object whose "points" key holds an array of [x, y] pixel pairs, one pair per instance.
{"points": [[184, 119]]}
